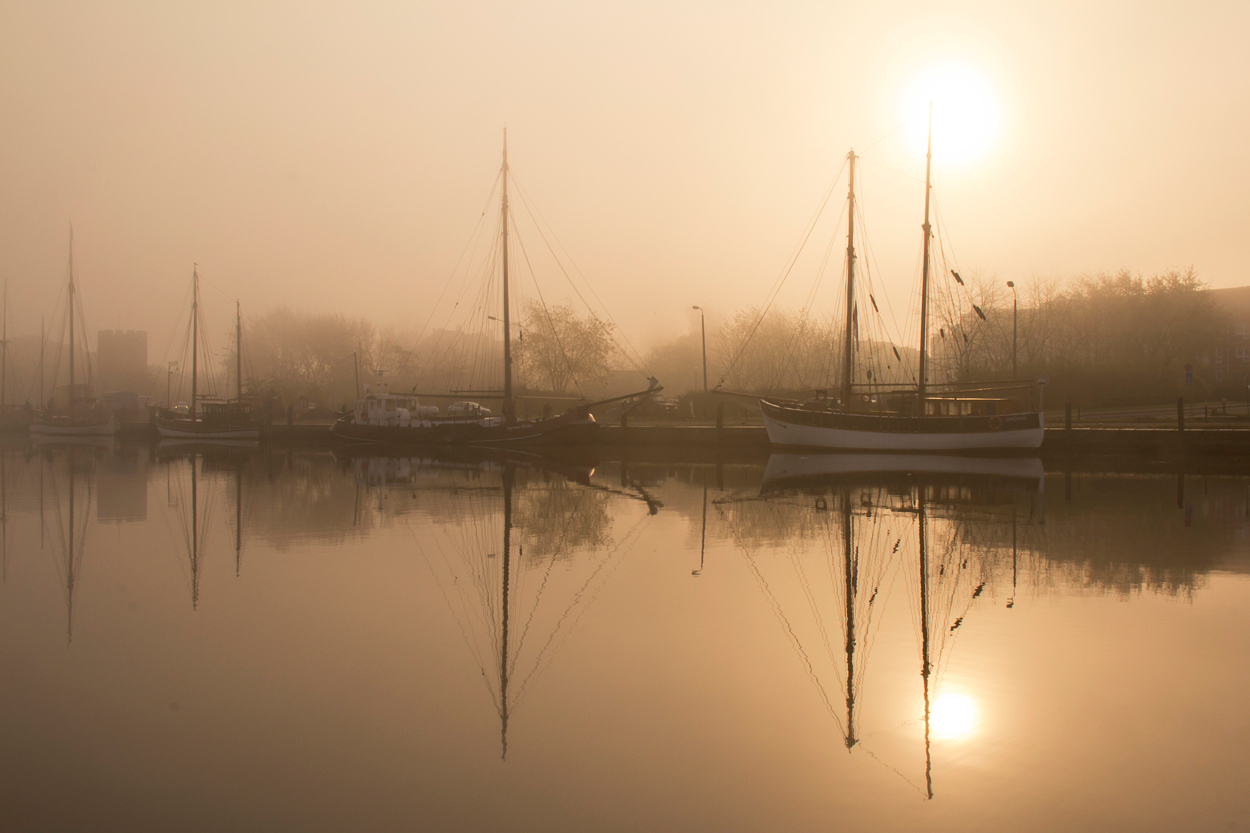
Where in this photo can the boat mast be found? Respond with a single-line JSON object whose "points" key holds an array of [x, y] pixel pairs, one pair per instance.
{"points": [[195, 340], [43, 342], [503, 649], [238, 350], [925, 667], [71, 316], [69, 564], [852, 582], [4, 346], [195, 544], [509, 408], [924, 279], [848, 360]]}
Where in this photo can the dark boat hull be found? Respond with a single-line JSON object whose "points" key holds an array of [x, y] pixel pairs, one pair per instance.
{"points": [[556, 431]]}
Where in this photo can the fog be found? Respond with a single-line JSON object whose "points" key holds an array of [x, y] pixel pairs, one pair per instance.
{"points": [[329, 157]]}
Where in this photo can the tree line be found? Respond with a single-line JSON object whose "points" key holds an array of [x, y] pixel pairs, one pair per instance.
{"points": [[1103, 339]]}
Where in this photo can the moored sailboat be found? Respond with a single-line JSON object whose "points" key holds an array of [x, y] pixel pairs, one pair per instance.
{"points": [[928, 417], [81, 416], [384, 417], [210, 419]]}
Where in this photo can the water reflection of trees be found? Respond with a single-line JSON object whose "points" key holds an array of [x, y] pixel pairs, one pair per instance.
{"points": [[557, 518]]}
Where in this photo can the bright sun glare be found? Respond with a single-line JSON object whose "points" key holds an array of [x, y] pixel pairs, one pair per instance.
{"points": [[965, 113], [953, 716]]}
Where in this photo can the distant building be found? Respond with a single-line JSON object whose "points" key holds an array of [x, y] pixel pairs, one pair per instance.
{"points": [[122, 358], [1230, 354]]}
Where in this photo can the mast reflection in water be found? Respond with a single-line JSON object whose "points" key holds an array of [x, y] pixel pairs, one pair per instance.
{"points": [[859, 636]]}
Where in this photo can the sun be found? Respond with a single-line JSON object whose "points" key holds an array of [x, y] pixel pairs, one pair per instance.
{"points": [[953, 716], [966, 116]]}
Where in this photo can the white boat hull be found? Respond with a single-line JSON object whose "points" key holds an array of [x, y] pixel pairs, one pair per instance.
{"points": [[785, 433], [786, 466], [172, 433], [93, 429]]}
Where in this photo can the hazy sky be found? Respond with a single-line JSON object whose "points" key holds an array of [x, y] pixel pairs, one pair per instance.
{"points": [[338, 155]]}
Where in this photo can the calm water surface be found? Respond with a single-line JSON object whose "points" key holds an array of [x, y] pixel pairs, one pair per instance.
{"points": [[199, 639]]}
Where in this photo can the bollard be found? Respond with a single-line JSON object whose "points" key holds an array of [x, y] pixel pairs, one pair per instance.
{"points": [[1067, 415], [1180, 413]]}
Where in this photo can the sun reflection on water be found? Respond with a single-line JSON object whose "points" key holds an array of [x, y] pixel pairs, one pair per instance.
{"points": [[954, 715]]}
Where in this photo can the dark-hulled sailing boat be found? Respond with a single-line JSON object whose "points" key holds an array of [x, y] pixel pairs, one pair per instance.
{"points": [[385, 417], [209, 418]]}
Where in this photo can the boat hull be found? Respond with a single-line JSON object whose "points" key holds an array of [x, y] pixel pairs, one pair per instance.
{"points": [[556, 431], [785, 469], [802, 428], [172, 430], [74, 428]]}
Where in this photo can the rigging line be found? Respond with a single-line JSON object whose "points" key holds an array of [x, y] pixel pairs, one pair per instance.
{"points": [[776, 288], [875, 267], [793, 639], [454, 615], [888, 135], [537, 602], [893, 171], [547, 314], [792, 348], [638, 364], [473, 237], [218, 288], [626, 543]]}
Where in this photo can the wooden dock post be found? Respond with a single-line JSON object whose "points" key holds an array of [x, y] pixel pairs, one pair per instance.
{"points": [[1180, 413], [1067, 415]]}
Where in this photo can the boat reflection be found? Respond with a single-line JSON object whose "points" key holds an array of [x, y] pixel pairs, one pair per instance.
{"points": [[520, 547], [848, 531], [72, 468]]}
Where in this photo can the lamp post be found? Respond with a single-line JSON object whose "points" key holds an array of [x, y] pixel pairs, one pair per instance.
{"points": [[703, 330], [1014, 311]]}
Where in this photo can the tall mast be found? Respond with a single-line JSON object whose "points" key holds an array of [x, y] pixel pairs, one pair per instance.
{"points": [[4, 345], [238, 516], [924, 279], [43, 340], [848, 359], [71, 316], [238, 350], [509, 408], [925, 666], [69, 565], [503, 649], [852, 582], [195, 544], [195, 341]]}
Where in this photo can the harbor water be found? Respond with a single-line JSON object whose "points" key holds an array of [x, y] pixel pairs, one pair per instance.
{"points": [[219, 638]]}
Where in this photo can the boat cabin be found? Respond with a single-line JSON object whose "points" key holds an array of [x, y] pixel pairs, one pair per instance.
{"points": [[967, 405]]}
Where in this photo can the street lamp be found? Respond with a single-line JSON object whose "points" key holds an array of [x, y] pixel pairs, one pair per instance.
{"points": [[1014, 311], [703, 330]]}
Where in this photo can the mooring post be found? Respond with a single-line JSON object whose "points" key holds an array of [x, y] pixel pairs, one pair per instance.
{"points": [[1067, 415], [1180, 413]]}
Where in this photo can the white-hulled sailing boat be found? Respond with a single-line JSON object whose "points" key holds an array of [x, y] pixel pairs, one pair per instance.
{"points": [[81, 416], [399, 418], [929, 417], [211, 419]]}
